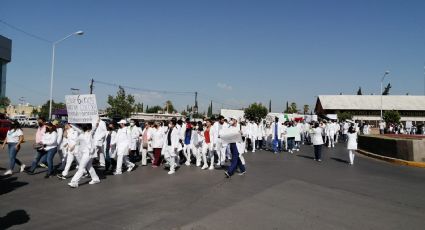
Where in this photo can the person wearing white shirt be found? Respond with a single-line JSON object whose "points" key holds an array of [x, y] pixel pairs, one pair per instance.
{"points": [[235, 148], [253, 135], [99, 138], [317, 140], [352, 144], [221, 146], [88, 150], [110, 148], [208, 146], [157, 141], [298, 133], [135, 134], [71, 150], [49, 147], [123, 146], [146, 144], [171, 146], [277, 130], [14, 138], [366, 129]]}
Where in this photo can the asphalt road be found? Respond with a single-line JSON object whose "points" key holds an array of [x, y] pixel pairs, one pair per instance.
{"points": [[279, 192]]}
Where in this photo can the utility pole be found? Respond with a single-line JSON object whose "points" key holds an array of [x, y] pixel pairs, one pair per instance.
{"points": [[91, 86], [195, 108]]}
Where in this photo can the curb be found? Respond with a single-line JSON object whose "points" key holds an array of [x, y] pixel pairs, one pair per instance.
{"points": [[393, 160]]}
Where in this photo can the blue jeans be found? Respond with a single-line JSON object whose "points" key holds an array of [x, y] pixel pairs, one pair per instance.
{"points": [[236, 161], [291, 143], [50, 155], [12, 155], [277, 145]]}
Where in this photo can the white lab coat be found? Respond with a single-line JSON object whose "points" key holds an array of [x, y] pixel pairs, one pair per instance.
{"points": [[316, 136], [352, 141], [279, 130], [123, 141], [50, 140], [135, 133], [170, 151], [157, 137], [100, 134]]}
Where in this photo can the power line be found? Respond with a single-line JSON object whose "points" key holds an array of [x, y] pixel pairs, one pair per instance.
{"points": [[25, 32]]}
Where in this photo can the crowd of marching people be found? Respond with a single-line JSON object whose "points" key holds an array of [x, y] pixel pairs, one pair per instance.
{"points": [[115, 148]]}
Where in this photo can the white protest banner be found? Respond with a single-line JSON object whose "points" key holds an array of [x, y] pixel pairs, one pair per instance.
{"points": [[81, 108]]}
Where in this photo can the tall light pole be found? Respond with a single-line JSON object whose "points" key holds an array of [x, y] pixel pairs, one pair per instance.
{"points": [[382, 81], [53, 67]]}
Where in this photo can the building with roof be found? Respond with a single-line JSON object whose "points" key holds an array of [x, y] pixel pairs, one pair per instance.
{"points": [[5, 57], [368, 107]]}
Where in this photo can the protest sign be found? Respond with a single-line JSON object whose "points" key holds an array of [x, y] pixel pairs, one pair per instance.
{"points": [[81, 108]]}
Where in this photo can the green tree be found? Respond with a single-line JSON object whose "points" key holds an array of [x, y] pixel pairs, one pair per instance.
{"points": [[4, 102], [291, 108], [210, 110], [154, 109], [344, 116], [359, 92], [255, 112], [121, 105], [35, 112], [138, 108], [44, 111], [306, 108], [169, 107], [391, 116], [387, 89]]}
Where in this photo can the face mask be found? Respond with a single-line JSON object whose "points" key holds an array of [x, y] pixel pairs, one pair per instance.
{"points": [[170, 126], [132, 124], [196, 127], [231, 122]]}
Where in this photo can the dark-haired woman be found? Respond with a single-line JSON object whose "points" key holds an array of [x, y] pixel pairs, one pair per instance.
{"points": [[316, 138], [352, 143], [14, 138], [50, 144]]}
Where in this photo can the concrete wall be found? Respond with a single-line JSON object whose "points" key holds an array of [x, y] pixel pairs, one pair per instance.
{"points": [[405, 149]]}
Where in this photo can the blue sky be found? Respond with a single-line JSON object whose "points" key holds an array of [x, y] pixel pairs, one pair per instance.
{"points": [[233, 51]]}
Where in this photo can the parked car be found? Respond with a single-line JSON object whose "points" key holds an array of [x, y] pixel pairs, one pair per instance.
{"points": [[4, 127], [31, 122]]}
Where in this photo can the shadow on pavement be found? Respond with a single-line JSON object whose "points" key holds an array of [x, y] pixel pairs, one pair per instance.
{"points": [[340, 160], [305, 156], [13, 218], [8, 184]]}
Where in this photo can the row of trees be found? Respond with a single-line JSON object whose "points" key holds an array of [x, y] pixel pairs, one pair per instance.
{"points": [[385, 92], [390, 116]]}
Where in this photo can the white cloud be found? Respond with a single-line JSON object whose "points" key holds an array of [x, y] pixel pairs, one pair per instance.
{"points": [[224, 86]]}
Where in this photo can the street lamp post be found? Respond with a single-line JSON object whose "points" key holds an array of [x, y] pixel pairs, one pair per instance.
{"points": [[53, 67], [382, 81]]}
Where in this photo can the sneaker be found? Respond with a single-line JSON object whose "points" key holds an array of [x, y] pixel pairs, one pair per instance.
{"points": [[204, 167], [227, 174], [43, 165], [117, 173], [171, 172], [22, 168], [73, 185], [211, 167], [94, 182], [319, 160], [242, 173], [131, 168], [85, 175], [154, 166], [8, 172], [60, 176], [187, 163]]}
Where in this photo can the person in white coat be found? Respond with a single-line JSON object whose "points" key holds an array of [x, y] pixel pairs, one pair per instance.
{"points": [[99, 138], [236, 145], [146, 144], [171, 146], [253, 133], [87, 148], [157, 140], [123, 146], [317, 140], [110, 148], [351, 143], [220, 145], [208, 146], [277, 130], [71, 150], [135, 133]]}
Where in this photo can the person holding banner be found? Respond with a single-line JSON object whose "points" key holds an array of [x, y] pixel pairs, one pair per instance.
{"points": [[123, 147], [88, 150], [233, 137]]}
